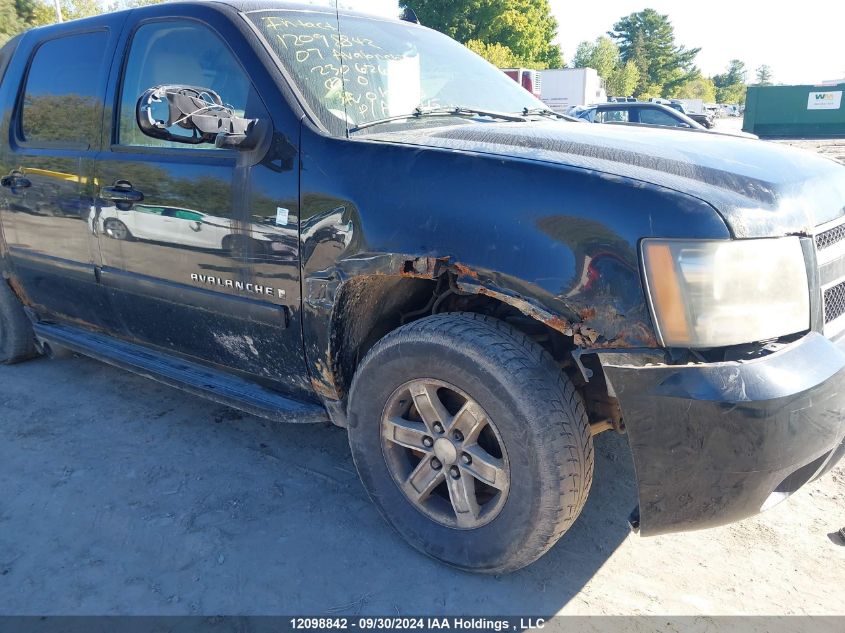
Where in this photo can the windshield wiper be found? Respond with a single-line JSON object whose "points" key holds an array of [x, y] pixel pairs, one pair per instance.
{"points": [[419, 113], [546, 112]]}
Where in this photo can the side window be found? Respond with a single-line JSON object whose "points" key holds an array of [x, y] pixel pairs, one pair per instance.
{"points": [[184, 53], [651, 116], [62, 102], [144, 208], [612, 116]]}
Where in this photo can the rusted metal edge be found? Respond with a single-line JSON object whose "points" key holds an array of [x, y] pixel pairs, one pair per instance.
{"points": [[467, 280]]}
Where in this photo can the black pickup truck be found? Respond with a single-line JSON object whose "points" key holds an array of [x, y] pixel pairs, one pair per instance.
{"points": [[311, 215]]}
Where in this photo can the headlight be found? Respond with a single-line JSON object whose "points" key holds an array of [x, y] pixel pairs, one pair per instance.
{"points": [[718, 293]]}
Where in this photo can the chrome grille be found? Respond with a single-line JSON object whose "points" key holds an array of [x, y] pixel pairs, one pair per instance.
{"points": [[834, 302], [828, 238], [830, 254]]}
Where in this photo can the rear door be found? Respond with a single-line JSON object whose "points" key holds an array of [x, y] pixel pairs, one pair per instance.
{"points": [[52, 106], [202, 263], [613, 115]]}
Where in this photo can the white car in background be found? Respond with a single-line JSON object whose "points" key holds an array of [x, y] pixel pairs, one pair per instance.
{"points": [[187, 227]]}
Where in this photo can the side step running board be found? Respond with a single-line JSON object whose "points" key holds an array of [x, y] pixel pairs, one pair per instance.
{"points": [[207, 383]]}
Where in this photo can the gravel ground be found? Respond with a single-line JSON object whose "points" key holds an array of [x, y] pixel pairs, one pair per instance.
{"points": [[832, 148], [120, 495]]}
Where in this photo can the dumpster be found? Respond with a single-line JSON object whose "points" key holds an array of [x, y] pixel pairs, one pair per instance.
{"points": [[795, 111]]}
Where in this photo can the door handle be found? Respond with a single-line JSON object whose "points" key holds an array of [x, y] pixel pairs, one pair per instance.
{"points": [[121, 191], [15, 180]]}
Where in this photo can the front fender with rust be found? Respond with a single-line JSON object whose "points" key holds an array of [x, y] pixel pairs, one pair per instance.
{"points": [[557, 242]]}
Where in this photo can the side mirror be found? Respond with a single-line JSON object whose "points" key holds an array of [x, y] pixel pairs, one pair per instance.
{"points": [[163, 111]]}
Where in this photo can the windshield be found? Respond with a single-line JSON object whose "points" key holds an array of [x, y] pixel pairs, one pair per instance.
{"points": [[371, 69]]}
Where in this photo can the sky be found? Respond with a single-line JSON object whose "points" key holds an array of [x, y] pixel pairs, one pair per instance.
{"points": [[803, 42]]}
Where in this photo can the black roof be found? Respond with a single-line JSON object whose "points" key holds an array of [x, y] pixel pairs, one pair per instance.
{"points": [[244, 6], [263, 5], [627, 104]]}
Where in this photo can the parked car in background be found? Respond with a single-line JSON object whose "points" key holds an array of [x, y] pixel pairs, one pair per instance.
{"points": [[644, 113], [191, 229], [693, 108], [708, 120]]}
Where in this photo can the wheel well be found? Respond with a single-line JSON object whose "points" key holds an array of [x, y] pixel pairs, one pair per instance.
{"points": [[370, 307], [231, 238]]}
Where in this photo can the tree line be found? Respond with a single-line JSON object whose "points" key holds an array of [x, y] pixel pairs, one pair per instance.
{"points": [[637, 57]]}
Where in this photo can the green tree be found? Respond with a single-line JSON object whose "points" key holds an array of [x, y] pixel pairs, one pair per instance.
{"points": [[497, 54], [649, 91], [45, 12], [623, 80], [648, 39], [730, 86], [764, 75], [526, 27], [10, 21], [16, 16], [602, 55], [41, 12], [736, 74], [638, 55], [26, 9], [700, 88], [734, 93]]}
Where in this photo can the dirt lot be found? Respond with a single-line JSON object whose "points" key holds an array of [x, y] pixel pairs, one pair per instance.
{"points": [[120, 495], [832, 148]]}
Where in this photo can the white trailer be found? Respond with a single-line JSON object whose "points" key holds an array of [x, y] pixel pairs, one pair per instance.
{"points": [[563, 88], [528, 79]]}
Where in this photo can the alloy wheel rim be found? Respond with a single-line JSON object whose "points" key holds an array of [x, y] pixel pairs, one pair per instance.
{"points": [[445, 453], [115, 230]]}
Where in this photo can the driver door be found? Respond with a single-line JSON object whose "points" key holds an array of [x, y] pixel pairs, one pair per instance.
{"points": [[180, 259]]}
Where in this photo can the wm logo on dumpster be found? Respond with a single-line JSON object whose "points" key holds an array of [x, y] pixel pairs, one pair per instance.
{"points": [[827, 100]]}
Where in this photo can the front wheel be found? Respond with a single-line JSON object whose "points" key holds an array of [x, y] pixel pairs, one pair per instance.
{"points": [[471, 441], [117, 230], [17, 340]]}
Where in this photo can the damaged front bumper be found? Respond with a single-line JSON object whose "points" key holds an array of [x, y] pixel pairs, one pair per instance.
{"points": [[717, 442]]}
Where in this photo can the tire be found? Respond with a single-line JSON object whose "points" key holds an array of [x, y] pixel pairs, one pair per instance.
{"points": [[17, 340], [537, 416], [117, 230]]}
